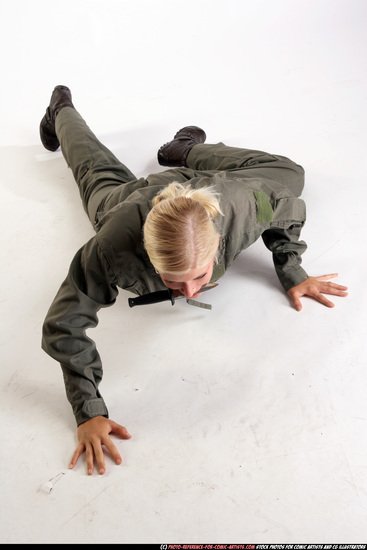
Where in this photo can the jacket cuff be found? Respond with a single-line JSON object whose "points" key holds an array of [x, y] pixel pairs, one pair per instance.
{"points": [[292, 278], [90, 409]]}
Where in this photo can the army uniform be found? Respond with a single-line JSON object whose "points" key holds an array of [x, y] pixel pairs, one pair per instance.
{"points": [[258, 197]]}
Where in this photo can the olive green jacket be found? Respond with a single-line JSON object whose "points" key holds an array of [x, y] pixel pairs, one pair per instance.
{"points": [[115, 258]]}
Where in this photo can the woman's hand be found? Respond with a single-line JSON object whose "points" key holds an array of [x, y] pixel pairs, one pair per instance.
{"points": [[316, 287], [94, 433]]}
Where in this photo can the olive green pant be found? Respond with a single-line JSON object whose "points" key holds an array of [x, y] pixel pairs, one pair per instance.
{"points": [[104, 181]]}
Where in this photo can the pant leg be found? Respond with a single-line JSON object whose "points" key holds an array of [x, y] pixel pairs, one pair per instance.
{"points": [[96, 170], [247, 163]]}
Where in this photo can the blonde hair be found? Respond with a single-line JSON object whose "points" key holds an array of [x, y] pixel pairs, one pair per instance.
{"points": [[179, 233]]}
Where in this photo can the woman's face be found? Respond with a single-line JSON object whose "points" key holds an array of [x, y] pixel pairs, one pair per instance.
{"points": [[190, 283]]}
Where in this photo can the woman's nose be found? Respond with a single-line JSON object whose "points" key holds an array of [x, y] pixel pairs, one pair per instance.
{"points": [[189, 289]]}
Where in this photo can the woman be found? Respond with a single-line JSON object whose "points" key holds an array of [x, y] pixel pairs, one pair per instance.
{"points": [[179, 229]]}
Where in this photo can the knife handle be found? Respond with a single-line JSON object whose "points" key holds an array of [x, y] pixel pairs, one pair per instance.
{"points": [[152, 298]]}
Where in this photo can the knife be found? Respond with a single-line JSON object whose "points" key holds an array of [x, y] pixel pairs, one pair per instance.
{"points": [[165, 295]]}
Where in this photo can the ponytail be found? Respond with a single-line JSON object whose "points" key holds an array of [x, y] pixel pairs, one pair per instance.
{"points": [[179, 233]]}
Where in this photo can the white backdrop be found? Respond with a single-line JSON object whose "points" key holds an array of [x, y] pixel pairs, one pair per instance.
{"points": [[248, 422]]}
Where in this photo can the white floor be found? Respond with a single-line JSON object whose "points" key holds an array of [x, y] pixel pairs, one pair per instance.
{"points": [[249, 421]]}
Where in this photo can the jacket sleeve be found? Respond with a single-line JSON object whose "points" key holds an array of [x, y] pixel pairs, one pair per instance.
{"points": [[287, 249], [89, 286]]}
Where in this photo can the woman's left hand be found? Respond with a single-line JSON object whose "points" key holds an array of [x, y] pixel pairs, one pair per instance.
{"points": [[316, 287]]}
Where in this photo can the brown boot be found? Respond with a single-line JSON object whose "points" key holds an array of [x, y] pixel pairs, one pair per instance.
{"points": [[61, 97], [175, 152]]}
